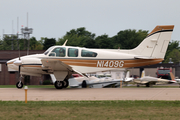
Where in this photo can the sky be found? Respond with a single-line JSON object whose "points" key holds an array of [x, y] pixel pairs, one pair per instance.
{"points": [[53, 18]]}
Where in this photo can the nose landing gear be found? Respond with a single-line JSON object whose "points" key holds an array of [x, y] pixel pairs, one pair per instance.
{"points": [[19, 84]]}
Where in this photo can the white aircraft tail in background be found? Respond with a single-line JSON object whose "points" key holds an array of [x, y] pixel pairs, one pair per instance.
{"points": [[128, 78], [143, 74], [173, 79]]}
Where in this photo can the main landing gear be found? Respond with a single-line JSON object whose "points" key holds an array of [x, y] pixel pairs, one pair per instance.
{"points": [[61, 84], [66, 83]]}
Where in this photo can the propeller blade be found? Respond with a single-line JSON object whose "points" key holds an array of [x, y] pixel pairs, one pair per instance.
{"points": [[19, 71]]}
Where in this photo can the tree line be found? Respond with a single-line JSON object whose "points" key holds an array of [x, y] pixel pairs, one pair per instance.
{"points": [[125, 39]]}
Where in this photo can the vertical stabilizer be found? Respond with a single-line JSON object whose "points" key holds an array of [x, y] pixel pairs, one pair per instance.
{"points": [[156, 43], [172, 76], [127, 74], [143, 74]]}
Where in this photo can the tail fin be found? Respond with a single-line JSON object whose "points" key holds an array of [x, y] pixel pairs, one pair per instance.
{"points": [[171, 76], [127, 74], [143, 74], [156, 43]]}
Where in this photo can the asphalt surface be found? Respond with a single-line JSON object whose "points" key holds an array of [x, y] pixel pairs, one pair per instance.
{"points": [[52, 94]]}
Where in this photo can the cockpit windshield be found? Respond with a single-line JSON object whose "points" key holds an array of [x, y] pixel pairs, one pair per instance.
{"points": [[47, 51]]}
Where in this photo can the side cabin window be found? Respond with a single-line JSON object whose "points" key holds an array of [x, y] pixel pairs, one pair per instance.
{"points": [[86, 53], [73, 52], [47, 51], [58, 52]]}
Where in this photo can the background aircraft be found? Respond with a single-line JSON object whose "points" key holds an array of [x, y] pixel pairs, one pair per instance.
{"points": [[149, 81], [94, 82], [63, 61]]}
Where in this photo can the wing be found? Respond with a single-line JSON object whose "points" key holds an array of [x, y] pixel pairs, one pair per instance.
{"points": [[146, 79], [58, 68], [55, 64]]}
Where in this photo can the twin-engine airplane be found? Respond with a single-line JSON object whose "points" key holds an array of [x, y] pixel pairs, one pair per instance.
{"points": [[63, 61]]}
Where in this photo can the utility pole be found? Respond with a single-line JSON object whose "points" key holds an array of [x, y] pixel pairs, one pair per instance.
{"points": [[26, 32], [13, 36]]}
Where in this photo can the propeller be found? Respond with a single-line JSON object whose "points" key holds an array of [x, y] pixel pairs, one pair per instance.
{"points": [[18, 63]]}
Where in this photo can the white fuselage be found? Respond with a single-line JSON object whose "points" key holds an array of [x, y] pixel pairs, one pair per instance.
{"points": [[103, 61]]}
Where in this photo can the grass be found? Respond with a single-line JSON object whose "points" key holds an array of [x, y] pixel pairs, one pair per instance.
{"points": [[98, 110]]}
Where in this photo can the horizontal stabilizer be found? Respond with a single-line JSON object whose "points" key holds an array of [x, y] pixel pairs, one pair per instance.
{"points": [[143, 57]]}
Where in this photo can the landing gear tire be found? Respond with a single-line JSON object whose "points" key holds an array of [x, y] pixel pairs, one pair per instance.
{"points": [[59, 84], [147, 85], [84, 84], [66, 83], [138, 85], [19, 85]]}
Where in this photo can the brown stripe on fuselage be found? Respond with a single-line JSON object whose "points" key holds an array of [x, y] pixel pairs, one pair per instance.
{"points": [[109, 63], [10, 63], [106, 63], [141, 62]]}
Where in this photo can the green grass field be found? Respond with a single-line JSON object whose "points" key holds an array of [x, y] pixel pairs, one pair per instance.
{"points": [[94, 110]]}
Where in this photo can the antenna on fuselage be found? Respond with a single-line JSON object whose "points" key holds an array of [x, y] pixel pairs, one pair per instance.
{"points": [[65, 43]]}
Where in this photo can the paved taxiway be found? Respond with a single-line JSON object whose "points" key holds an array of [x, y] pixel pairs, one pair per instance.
{"points": [[52, 94]]}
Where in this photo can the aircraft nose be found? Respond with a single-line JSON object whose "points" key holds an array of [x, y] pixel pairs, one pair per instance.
{"points": [[14, 62], [8, 62]]}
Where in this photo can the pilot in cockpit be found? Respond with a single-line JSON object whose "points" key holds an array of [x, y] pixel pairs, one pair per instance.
{"points": [[61, 52], [76, 53]]}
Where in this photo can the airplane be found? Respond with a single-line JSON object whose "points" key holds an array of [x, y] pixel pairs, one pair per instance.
{"points": [[149, 81], [94, 82], [63, 61]]}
